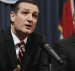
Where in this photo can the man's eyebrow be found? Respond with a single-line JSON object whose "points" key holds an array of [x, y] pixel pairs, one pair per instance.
{"points": [[26, 9], [34, 11]]}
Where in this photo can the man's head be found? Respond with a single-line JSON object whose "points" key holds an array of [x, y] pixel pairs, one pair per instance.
{"points": [[24, 17]]}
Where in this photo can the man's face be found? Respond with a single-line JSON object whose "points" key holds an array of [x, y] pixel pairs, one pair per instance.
{"points": [[26, 18]]}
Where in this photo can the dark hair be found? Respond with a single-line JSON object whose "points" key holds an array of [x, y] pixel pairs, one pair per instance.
{"points": [[16, 5]]}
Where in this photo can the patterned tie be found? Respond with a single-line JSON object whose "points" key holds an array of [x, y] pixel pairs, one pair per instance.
{"points": [[21, 52]]}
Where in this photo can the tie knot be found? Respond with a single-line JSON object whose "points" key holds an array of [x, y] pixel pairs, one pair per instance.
{"points": [[20, 43]]}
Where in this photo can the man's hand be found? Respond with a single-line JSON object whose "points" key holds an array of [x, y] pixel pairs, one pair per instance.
{"points": [[17, 69]]}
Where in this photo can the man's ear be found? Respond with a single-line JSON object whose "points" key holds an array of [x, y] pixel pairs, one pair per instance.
{"points": [[12, 16]]}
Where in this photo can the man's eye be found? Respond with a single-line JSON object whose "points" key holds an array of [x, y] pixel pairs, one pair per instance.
{"points": [[35, 16], [24, 12]]}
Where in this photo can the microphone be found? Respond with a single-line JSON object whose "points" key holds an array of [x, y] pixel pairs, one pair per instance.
{"points": [[52, 53]]}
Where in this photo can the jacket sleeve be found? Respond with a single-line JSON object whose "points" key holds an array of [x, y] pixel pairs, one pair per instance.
{"points": [[63, 55]]}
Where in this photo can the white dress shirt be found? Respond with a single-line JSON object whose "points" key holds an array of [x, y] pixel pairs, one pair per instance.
{"points": [[16, 40]]}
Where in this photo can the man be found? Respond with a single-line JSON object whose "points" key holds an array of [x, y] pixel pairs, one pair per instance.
{"points": [[65, 48], [23, 22]]}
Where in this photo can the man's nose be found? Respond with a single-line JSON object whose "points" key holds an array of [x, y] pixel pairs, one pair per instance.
{"points": [[30, 18]]}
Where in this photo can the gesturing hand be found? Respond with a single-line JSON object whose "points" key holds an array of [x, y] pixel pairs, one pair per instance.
{"points": [[17, 69]]}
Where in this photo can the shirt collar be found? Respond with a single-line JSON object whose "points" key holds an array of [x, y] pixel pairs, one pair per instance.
{"points": [[16, 39]]}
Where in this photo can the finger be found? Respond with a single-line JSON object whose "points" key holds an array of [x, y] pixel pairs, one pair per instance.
{"points": [[18, 67]]}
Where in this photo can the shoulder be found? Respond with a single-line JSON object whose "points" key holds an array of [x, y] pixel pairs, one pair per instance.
{"points": [[3, 33], [64, 43], [5, 30], [38, 36], [65, 40], [2, 41]]}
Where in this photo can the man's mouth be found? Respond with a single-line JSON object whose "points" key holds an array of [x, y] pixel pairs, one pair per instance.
{"points": [[28, 26]]}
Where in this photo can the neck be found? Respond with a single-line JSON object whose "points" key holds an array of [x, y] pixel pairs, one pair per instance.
{"points": [[19, 34]]}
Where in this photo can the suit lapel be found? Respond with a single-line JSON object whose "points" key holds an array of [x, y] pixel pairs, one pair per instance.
{"points": [[10, 48], [30, 49]]}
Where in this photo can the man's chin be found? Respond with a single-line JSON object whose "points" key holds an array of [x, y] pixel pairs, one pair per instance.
{"points": [[28, 32]]}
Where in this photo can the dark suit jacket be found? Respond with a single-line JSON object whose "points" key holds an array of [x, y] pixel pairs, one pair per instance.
{"points": [[65, 48], [35, 58]]}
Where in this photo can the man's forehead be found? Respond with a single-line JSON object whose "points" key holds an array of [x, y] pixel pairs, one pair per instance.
{"points": [[28, 6]]}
